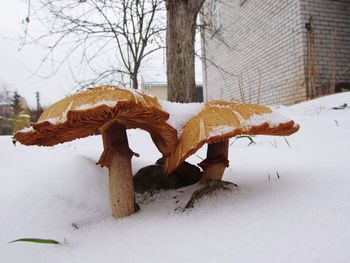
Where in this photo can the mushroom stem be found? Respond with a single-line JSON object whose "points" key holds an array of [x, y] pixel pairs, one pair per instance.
{"points": [[117, 157], [216, 162]]}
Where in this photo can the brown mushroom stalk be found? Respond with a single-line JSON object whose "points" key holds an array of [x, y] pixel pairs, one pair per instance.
{"points": [[216, 162], [213, 170], [117, 158]]}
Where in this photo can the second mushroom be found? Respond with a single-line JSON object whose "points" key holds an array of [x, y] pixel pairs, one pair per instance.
{"points": [[215, 124]]}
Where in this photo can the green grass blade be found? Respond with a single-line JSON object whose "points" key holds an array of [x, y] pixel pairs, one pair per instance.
{"points": [[250, 138], [199, 157], [37, 240]]}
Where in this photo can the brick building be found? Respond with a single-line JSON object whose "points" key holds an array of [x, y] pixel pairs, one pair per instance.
{"points": [[274, 52]]}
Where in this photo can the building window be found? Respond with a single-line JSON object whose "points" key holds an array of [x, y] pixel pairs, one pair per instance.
{"points": [[215, 14]]}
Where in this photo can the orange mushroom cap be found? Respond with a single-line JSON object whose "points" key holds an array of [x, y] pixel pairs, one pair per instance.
{"points": [[82, 114], [220, 120]]}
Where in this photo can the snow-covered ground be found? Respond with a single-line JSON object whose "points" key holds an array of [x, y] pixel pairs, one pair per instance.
{"points": [[292, 203]]}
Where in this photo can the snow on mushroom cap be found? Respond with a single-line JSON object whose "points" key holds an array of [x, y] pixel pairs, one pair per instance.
{"points": [[27, 129], [82, 114], [180, 113], [220, 120], [220, 130], [272, 118], [92, 98]]}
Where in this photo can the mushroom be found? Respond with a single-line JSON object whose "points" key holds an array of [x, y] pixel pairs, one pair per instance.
{"points": [[109, 111], [215, 124]]}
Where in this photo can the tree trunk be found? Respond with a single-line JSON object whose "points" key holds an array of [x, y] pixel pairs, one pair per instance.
{"points": [[134, 81], [216, 162], [117, 157], [181, 30]]}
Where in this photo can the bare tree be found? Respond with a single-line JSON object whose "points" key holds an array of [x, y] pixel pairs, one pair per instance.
{"points": [[111, 37], [133, 29]]}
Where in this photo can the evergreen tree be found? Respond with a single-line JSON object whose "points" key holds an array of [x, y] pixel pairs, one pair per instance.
{"points": [[19, 120], [39, 110], [16, 104]]}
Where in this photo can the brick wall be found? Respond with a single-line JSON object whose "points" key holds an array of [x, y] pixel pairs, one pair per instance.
{"points": [[260, 51], [331, 24], [257, 54]]}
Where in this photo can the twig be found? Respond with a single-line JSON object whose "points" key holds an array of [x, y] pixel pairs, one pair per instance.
{"points": [[285, 139], [274, 144]]}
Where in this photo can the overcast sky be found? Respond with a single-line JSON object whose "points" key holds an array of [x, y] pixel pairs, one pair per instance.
{"points": [[17, 66]]}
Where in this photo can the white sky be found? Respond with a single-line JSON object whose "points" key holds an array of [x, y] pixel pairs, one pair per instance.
{"points": [[16, 67]]}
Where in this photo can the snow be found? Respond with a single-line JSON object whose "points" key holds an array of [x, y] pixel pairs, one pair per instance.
{"points": [[273, 119], [99, 103], [292, 203], [57, 120], [181, 113], [220, 130], [24, 116], [27, 129]]}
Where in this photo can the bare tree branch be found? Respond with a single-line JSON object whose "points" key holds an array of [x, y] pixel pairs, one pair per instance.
{"points": [[122, 32]]}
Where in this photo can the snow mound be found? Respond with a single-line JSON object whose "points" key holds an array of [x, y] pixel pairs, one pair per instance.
{"points": [[292, 203]]}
